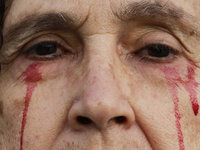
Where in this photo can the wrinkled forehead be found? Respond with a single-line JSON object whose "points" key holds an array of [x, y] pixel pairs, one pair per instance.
{"points": [[85, 8]]}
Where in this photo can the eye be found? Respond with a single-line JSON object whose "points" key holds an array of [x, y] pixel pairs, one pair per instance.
{"points": [[157, 52], [48, 47], [44, 48]]}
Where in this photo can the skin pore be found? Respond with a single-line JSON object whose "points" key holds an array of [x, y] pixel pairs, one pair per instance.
{"points": [[100, 74]]}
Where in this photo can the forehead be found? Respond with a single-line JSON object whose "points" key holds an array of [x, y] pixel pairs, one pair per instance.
{"points": [[84, 8]]}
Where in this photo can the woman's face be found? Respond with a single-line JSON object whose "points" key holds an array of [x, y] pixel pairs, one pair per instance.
{"points": [[100, 75]]}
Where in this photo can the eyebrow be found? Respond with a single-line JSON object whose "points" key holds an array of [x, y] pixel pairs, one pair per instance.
{"points": [[168, 13], [41, 22], [36, 24]]}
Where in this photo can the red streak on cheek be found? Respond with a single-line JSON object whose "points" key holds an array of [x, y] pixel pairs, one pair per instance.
{"points": [[190, 86], [172, 78], [31, 77]]}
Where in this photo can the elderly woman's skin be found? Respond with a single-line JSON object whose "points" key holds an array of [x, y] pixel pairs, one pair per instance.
{"points": [[100, 75]]}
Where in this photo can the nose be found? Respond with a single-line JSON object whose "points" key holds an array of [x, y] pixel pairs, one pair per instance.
{"points": [[102, 103], [101, 115]]}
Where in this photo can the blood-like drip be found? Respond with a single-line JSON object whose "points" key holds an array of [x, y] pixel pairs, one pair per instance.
{"points": [[190, 86], [172, 78], [31, 77]]}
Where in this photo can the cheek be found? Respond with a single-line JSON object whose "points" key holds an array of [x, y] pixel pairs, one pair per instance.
{"points": [[58, 69], [53, 70]]}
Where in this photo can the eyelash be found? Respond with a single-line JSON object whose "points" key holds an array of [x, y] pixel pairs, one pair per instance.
{"points": [[57, 44], [174, 52]]}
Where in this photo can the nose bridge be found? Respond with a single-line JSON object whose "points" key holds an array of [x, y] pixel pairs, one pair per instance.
{"points": [[101, 81], [101, 73]]}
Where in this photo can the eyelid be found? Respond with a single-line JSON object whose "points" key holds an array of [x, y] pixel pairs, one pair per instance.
{"points": [[159, 45], [158, 38], [134, 46], [143, 55], [47, 38]]}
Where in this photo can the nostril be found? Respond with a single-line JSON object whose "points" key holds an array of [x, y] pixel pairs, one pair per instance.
{"points": [[120, 119], [84, 120]]}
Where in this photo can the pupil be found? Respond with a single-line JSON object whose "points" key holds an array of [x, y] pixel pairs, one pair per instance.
{"points": [[46, 49], [158, 51]]}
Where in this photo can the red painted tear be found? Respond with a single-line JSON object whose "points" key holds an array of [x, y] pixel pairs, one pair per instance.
{"points": [[190, 85], [172, 78], [31, 77]]}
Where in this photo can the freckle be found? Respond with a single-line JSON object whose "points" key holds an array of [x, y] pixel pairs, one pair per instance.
{"points": [[154, 96], [1, 108], [94, 79], [192, 33], [27, 142], [37, 136], [99, 103]]}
